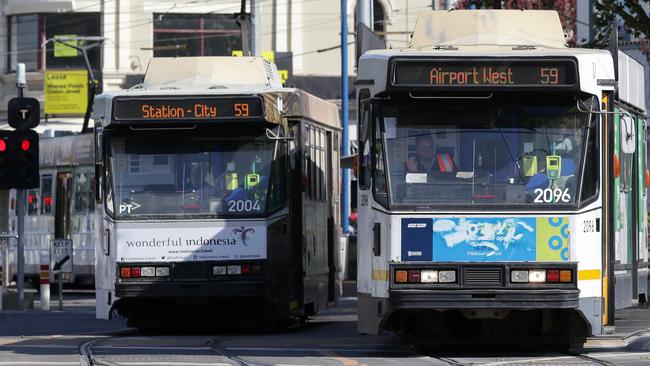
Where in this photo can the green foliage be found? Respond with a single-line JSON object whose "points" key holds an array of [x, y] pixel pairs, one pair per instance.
{"points": [[634, 18]]}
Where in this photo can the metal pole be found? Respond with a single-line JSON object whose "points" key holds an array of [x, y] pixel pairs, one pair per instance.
{"points": [[364, 14], [20, 210], [45, 280], [20, 214], [60, 290], [345, 183], [255, 25]]}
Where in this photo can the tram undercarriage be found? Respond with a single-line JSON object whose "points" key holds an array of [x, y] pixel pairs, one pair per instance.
{"points": [[487, 327]]}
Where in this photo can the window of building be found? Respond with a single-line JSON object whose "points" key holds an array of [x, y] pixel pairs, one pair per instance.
{"points": [[195, 35], [28, 32]]}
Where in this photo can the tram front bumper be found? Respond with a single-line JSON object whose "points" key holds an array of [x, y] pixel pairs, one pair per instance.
{"points": [[245, 288], [408, 299]]}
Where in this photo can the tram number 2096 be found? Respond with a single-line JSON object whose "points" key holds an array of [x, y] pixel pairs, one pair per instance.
{"points": [[244, 206], [551, 195]]}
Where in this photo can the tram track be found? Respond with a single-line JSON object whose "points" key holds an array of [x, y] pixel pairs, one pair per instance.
{"points": [[217, 347], [88, 359]]}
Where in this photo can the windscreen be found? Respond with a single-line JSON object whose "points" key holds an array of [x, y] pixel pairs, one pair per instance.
{"points": [[491, 154], [210, 172]]}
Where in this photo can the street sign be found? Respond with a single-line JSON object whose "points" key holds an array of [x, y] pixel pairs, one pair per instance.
{"points": [[66, 92], [23, 113], [61, 257]]}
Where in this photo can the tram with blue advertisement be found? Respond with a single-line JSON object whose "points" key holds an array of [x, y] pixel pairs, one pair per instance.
{"points": [[219, 193], [502, 182]]}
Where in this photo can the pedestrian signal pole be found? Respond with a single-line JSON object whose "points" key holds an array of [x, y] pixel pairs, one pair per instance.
{"points": [[19, 163]]}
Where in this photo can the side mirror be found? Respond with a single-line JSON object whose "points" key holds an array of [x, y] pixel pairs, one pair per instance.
{"points": [[628, 135]]}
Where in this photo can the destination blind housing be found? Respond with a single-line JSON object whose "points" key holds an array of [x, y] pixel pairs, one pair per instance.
{"points": [[187, 108], [464, 73]]}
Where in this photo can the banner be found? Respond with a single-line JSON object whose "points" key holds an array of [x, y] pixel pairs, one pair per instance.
{"points": [[229, 241], [485, 239], [66, 92]]}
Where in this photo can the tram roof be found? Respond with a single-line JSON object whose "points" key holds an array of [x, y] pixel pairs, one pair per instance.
{"points": [[488, 28], [224, 76]]}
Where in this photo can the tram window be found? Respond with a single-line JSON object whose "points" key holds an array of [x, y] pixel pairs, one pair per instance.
{"points": [[215, 172], [480, 155], [306, 160], [32, 202], [590, 183], [312, 163], [82, 194], [363, 153], [380, 183], [46, 194], [323, 152]]}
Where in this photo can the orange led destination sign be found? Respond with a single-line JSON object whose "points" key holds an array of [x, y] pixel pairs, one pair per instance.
{"points": [[181, 109], [482, 73]]}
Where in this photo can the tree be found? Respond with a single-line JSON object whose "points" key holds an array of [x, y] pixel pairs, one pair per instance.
{"points": [[635, 19], [566, 9]]}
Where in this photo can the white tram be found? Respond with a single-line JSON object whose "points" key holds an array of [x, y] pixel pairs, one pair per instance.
{"points": [[219, 196], [63, 207], [502, 182]]}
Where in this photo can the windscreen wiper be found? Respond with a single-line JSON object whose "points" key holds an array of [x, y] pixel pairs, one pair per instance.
{"points": [[512, 158]]}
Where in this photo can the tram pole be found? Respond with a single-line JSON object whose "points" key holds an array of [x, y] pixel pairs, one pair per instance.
{"points": [[345, 148], [21, 82]]}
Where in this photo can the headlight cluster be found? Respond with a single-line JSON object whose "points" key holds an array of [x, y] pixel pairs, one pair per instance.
{"points": [[425, 276], [138, 272], [541, 276]]}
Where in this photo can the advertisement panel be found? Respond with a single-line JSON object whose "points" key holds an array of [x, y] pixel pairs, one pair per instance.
{"points": [[66, 92], [485, 239], [231, 241]]}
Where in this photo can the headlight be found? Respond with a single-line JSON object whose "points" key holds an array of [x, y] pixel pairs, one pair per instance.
{"points": [[447, 276], [537, 276], [429, 276], [519, 276], [148, 271]]}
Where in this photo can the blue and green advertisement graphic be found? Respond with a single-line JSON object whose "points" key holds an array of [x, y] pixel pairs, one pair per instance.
{"points": [[485, 239]]}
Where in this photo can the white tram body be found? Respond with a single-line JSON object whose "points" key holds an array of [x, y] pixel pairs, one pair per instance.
{"points": [[63, 207], [219, 195], [501, 184]]}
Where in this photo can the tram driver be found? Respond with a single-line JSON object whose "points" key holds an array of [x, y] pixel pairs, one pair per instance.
{"points": [[426, 160]]}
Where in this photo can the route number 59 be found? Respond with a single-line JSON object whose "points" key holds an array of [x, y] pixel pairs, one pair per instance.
{"points": [[552, 195], [241, 110]]}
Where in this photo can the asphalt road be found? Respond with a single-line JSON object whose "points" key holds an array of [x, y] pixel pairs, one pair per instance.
{"points": [[75, 337]]}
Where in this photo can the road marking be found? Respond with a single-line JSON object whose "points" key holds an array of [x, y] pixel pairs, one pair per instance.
{"points": [[299, 349], [178, 348], [38, 363], [343, 360], [175, 363]]}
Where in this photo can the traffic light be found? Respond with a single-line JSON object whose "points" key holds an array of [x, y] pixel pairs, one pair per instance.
{"points": [[23, 148], [5, 160], [23, 113]]}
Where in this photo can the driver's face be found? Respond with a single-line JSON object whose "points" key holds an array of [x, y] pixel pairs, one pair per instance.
{"points": [[424, 149]]}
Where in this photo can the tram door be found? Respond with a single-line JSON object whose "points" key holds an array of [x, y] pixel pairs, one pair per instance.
{"points": [[331, 223], [62, 206]]}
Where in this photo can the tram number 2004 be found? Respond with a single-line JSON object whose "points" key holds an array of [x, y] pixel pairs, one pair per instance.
{"points": [[551, 195], [244, 206]]}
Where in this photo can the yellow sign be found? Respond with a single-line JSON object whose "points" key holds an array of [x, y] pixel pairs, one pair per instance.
{"points": [[62, 50], [267, 55], [66, 91], [284, 76]]}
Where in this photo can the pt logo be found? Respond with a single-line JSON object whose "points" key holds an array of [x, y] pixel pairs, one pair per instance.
{"points": [[128, 207], [242, 232]]}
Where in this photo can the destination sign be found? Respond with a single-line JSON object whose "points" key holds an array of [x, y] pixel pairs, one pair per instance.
{"points": [[180, 109], [473, 73]]}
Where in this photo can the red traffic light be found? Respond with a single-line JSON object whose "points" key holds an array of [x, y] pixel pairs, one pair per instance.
{"points": [[25, 145], [3, 145]]}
